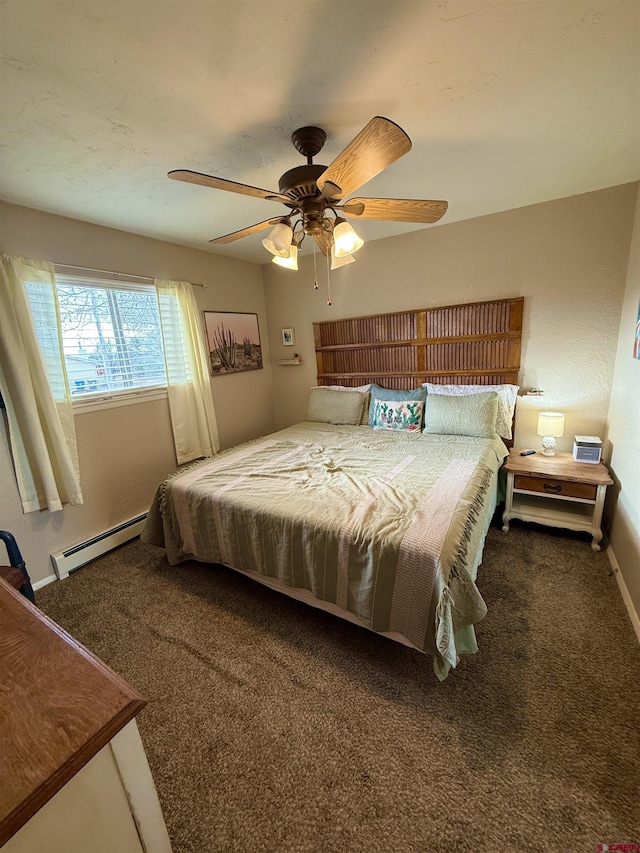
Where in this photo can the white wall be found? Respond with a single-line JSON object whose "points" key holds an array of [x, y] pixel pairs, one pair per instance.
{"points": [[622, 447], [125, 452], [568, 259]]}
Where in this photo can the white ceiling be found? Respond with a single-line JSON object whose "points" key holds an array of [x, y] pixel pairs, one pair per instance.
{"points": [[507, 104]]}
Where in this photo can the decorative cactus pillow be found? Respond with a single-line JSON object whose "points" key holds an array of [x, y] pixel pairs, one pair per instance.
{"points": [[398, 396], [398, 414]]}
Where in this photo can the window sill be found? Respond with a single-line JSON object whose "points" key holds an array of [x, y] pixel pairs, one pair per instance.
{"points": [[98, 403]]}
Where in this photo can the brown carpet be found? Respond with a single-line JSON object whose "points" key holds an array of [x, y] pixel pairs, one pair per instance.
{"points": [[274, 727]]}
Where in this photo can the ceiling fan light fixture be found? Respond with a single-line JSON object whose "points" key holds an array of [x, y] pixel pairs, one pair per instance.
{"points": [[345, 239], [290, 263], [312, 192], [336, 263], [278, 242]]}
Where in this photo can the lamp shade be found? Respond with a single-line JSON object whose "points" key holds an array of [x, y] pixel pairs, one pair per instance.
{"points": [[336, 263], [345, 239], [279, 240], [290, 263], [551, 424]]}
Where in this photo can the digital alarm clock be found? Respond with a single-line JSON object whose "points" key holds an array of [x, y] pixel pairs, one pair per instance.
{"points": [[587, 448]]}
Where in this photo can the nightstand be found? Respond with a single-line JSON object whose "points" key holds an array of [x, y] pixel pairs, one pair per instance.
{"points": [[556, 491]]}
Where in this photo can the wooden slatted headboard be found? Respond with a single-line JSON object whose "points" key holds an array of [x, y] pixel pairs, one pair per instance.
{"points": [[474, 344]]}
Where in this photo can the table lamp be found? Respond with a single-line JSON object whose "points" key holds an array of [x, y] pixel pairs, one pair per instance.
{"points": [[550, 426]]}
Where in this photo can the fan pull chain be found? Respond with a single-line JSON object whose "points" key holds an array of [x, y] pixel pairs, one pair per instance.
{"points": [[329, 299], [315, 268]]}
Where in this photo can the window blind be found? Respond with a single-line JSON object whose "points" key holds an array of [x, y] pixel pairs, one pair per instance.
{"points": [[111, 335]]}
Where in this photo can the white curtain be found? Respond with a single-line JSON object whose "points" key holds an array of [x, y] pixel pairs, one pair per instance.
{"points": [[193, 419], [35, 389]]}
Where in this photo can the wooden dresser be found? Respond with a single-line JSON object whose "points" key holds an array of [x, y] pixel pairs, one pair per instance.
{"points": [[73, 774]]}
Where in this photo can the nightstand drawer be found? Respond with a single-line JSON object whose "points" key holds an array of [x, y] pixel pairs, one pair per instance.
{"points": [[566, 489]]}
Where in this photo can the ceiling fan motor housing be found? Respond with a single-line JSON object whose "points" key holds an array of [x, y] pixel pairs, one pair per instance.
{"points": [[300, 183]]}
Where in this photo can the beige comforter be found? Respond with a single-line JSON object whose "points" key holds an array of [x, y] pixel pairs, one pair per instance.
{"points": [[388, 526]]}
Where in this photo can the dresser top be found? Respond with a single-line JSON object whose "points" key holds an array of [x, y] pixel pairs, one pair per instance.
{"points": [[562, 466], [60, 705]]}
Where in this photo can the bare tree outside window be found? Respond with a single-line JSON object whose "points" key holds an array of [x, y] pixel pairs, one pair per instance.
{"points": [[111, 337]]}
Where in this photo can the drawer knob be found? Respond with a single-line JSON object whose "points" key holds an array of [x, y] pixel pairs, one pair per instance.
{"points": [[553, 487]]}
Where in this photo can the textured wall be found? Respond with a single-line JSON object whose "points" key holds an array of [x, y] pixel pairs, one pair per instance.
{"points": [[622, 447], [568, 258], [126, 451]]}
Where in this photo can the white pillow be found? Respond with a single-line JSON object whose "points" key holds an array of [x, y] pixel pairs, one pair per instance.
{"points": [[507, 395]]}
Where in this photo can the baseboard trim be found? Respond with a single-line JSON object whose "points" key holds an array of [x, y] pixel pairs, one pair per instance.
{"points": [[624, 592], [44, 582]]}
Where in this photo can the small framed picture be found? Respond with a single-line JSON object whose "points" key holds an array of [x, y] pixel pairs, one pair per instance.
{"points": [[288, 337]]}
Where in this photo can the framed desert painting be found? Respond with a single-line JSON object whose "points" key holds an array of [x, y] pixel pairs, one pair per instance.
{"points": [[233, 341]]}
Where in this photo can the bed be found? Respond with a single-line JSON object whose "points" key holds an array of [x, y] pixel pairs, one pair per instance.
{"points": [[377, 506]]}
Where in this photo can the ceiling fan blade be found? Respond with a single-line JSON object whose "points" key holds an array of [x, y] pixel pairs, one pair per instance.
{"points": [[244, 232], [351, 209], [396, 209], [379, 144], [324, 240], [230, 186]]}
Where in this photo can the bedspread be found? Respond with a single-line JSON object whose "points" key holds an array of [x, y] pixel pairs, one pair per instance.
{"points": [[388, 526]]}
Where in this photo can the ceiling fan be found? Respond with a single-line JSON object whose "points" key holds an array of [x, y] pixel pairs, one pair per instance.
{"points": [[313, 192]]}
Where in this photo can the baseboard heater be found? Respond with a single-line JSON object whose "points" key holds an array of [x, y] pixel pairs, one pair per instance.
{"points": [[82, 553]]}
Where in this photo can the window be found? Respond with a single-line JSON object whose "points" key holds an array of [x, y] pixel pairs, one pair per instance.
{"points": [[111, 336]]}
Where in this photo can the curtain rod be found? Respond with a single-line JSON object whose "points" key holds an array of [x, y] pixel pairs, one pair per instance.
{"points": [[116, 274]]}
